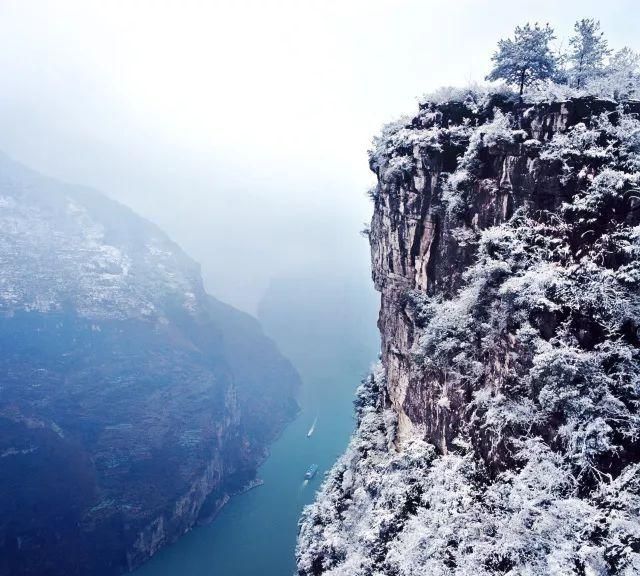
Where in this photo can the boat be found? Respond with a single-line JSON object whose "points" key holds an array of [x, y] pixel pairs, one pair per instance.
{"points": [[311, 472], [313, 428]]}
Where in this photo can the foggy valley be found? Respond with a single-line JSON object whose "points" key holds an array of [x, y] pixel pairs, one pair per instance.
{"points": [[328, 289]]}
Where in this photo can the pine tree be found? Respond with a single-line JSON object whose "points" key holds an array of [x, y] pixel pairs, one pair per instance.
{"points": [[525, 58], [588, 52]]}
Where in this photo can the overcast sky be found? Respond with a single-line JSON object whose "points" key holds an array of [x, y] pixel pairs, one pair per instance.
{"points": [[241, 127]]}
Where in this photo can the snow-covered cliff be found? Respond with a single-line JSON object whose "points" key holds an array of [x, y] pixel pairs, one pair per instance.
{"points": [[501, 433], [128, 410]]}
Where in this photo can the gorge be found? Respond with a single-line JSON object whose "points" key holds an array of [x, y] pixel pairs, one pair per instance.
{"points": [[273, 331], [326, 327]]}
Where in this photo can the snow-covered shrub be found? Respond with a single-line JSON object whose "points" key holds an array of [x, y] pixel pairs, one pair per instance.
{"points": [[398, 168], [621, 77], [394, 140], [551, 91], [475, 96], [575, 149], [497, 132], [366, 498], [623, 139]]}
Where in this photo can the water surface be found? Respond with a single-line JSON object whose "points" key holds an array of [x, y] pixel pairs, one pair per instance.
{"points": [[328, 331]]}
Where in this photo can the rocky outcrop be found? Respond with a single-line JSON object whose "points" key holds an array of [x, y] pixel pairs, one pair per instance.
{"points": [[503, 418], [129, 411], [417, 246]]}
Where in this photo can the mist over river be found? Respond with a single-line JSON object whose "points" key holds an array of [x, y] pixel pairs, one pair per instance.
{"points": [[328, 331]]}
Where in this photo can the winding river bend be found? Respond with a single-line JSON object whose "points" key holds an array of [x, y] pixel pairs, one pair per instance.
{"points": [[328, 332]]}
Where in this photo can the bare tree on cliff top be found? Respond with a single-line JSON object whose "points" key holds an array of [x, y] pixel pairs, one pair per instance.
{"points": [[588, 52], [525, 58]]}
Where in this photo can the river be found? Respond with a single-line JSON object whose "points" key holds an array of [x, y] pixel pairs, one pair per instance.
{"points": [[328, 332]]}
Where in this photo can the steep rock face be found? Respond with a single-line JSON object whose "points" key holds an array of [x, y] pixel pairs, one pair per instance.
{"points": [[417, 246], [500, 434], [132, 404]]}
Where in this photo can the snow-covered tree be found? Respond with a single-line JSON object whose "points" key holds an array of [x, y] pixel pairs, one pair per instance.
{"points": [[621, 77], [525, 58], [588, 52]]}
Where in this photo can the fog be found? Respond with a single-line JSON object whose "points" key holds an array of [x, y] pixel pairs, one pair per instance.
{"points": [[241, 127]]}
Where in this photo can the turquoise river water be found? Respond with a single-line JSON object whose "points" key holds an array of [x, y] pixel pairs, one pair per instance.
{"points": [[329, 335]]}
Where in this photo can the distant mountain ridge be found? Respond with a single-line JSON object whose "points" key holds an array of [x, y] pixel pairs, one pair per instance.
{"points": [[100, 258], [132, 403]]}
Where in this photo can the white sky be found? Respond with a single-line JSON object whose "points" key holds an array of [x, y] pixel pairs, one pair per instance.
{"points": [[241, 127]]}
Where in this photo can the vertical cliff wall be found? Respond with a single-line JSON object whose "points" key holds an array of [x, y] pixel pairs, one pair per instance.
{"points": [[500, 433]]}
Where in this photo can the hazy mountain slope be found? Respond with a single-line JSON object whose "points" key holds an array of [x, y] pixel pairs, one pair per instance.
{"points": [[131, 402], [501, 433]]}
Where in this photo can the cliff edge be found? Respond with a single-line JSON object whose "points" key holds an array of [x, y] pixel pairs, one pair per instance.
{"points": [[500, 434]]}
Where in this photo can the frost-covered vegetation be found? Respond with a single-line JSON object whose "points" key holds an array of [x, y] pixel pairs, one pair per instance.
{"points": [[540, 73], [368, 495], [588, 67], [409, 513], [541, 334], [526, 58]]}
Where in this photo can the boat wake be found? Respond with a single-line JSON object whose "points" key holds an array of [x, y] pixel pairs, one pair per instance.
{"points": [[313, 428]]}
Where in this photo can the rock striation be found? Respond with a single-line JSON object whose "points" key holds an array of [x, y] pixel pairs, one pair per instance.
{"points": [[129, 411], [500, 433]]}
